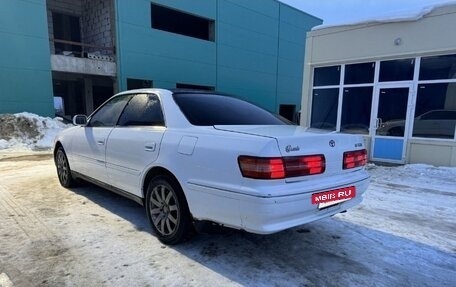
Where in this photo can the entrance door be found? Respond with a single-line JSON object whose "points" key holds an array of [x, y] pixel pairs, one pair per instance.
{"points": [[390, 123]]}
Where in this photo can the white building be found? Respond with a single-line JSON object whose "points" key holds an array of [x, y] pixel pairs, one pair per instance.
{"points": [[391, 80]]}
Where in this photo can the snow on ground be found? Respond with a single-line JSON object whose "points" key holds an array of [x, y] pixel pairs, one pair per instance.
{"points": [[403, 234], [27, 131]]}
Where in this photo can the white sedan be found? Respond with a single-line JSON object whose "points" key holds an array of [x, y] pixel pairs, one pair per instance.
{"points": [[191, 156]]}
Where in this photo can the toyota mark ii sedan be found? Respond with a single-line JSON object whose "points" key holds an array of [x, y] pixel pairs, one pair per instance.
{"points": [[191, 156]]}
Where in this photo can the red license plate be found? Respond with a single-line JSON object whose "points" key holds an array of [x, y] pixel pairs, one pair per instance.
{"points": [[337, 195]]}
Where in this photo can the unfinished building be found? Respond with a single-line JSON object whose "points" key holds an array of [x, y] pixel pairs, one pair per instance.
{"points": [[82, 43]]}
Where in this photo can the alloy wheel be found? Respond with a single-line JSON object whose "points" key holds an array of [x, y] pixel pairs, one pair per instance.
{"points": [[164, 209]]}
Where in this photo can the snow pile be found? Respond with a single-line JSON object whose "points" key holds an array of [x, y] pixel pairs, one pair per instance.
{"points": [[28, 131], [400, 16], [420, 176]]}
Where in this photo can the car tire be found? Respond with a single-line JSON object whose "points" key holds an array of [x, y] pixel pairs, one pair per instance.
{"points": [[168, 211], [63, 168]]}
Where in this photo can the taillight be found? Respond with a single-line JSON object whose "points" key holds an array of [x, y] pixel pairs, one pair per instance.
{"points": [[261, 168], [355, 158], [279, 168], [304, 165]]}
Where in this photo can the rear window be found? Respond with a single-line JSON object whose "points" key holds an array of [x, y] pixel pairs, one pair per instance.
{"points": [[211, 109]]}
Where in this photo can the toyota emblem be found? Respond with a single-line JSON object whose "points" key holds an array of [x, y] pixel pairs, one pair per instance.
{"points": [[332, 143]]}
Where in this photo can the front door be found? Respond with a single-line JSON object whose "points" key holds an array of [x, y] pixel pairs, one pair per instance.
{"points": [[390, 123]]}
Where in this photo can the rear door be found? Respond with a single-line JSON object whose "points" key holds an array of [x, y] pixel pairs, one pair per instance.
{"points": [[135, 142], [89, 145]]}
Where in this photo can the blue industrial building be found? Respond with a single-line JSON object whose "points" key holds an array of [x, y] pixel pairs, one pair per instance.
{"points": [[70, 55]]}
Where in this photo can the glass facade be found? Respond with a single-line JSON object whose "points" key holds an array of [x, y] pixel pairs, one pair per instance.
{"points": [[346, 98]]}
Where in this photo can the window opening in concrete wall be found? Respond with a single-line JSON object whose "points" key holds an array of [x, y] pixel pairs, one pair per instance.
{"points": [[438, 67], [194, 87], [138, 84], [174, 21], [324, 109], [288, 112], [435, 111], [67, 29], [397, 70], [359, 73], [356, 110], [69, 94]]}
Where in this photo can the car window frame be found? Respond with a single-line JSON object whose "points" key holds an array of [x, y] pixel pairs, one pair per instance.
{"points": [[89, 120]]}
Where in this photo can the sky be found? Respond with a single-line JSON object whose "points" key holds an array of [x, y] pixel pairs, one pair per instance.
{"points": [[346, 11]]}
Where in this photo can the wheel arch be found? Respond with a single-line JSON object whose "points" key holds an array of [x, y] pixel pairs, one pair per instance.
{"points": [[153, 172], [57, 145]]}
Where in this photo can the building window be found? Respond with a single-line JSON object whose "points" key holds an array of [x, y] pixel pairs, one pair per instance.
{"points": [[194, 87], [397, 70], [67, 32], [438, 68], [356, 110], [133, 84], [435, 112], [324, 109], [359, 73], [174, 21], [327, 76]]}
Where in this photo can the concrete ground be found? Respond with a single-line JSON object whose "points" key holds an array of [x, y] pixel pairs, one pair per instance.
{"points": [[402, 235]]}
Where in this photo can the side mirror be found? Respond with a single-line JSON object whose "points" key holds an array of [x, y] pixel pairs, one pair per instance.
{"points": [[80, 120]]}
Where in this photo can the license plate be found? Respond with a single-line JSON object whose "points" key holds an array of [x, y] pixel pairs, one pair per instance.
{"points": [[332, 197]]}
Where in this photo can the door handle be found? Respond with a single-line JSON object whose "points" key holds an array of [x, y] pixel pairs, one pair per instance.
{"points": [[100, 142], [150, 147]]}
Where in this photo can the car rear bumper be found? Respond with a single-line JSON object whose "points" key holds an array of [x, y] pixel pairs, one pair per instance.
{"points": [[266, 214]]}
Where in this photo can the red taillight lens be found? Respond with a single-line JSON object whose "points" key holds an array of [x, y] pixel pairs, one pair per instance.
{"points": [[355, 158], [304, 165], [279, 168], [262, 168]]}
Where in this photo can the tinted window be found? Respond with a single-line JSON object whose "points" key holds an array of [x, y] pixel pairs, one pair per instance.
{"points": [[327, 76], [210, 109], [440, 67], [108, 114], [356, 110], [435, 111], [359, 73], [324, 109], [142, 110], [397, 70]]}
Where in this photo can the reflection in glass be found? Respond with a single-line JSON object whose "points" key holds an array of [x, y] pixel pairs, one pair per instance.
{"points": [[392, 111], [438, 68], [324, 109], [435, 112], [356, 110]]}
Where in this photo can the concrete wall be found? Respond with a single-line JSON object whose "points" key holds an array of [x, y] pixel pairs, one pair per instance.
{"points": [[97, 24], [257, 54], [438, 153], [25, 69]]}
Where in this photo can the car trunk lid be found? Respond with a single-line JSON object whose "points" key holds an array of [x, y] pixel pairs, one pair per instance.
{"points": [[299, 141]]}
